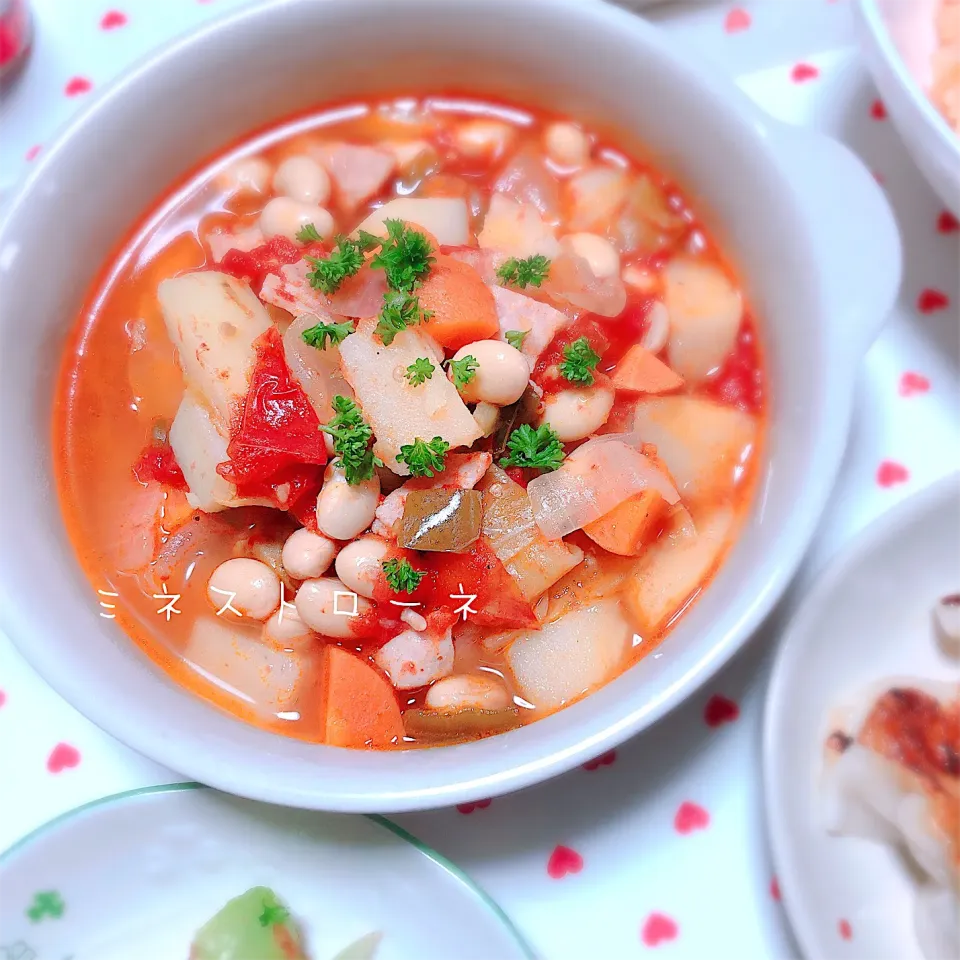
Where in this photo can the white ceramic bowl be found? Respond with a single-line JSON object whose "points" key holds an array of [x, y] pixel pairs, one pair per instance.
{"points": [[814, 238], [899, 39]]}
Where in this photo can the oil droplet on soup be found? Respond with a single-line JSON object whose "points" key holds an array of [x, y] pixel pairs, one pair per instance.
{"points": [[406, 423]]}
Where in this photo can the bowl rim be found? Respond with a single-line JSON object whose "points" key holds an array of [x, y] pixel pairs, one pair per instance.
{"points": [[873, 20], [558, 754]]}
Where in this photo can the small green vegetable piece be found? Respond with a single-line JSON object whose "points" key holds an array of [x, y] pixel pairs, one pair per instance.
{"points": [[344, 261], [464, 370], [530, 272], [540, 448], [308, 234], [579, 362], [351, 441], [255, 924], [405, 256], [400, 311], [401, 575], [424, 458], [516, 337], [420, 370], [336, 333]]}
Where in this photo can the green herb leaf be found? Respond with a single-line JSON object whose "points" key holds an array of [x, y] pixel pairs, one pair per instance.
{"points": [[579, 362], [540, 448], [530, 272], [516, 337], [351, 441], [420, 370], [308, 234], [464, 370], [401, 575], [344, 261], [336, 333], [424, 458], [273, 914], [400, 311], [405, 256], [367, 241]]}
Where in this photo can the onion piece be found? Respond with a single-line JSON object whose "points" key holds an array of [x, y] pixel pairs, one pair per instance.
{"points": [[359, 296], [572, 281], [593, 480], [317, 371]]}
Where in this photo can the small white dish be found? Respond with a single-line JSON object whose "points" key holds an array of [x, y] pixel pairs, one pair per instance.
{"points": [[868, 618], [899, 40], [138, 873]]}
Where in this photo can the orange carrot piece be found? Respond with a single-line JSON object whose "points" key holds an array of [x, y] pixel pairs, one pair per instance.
{"points": [[361, 707], [463, 308], [627, 528], [641, 372]]}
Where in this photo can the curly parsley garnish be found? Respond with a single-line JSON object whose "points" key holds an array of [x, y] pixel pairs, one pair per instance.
{"points": [[273, 914], [401, 575], [419, 371], [530, 272], [400, 311], [424, 458], [540, 448], [343, 261], [405, 256], [308, 234], [464, 370], [336, 333], [579, 362], [515, 338], [351, 441]]}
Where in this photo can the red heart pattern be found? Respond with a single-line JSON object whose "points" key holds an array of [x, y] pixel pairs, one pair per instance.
{"points": [[775, 888], [845, 930], [877, 110], [689, 817], [803, 72], [720, 710], [604, 760], [113, 19], [467, 808], [737, 19], [890, 473], [62, 757], [947, 222], [3, 698], [562, 861], [931, 300], [77, 86], [658, 928], [32, 153], [913, 383]]}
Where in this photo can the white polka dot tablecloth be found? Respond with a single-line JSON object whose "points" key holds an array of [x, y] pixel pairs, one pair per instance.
{"points": [[657, 848]]}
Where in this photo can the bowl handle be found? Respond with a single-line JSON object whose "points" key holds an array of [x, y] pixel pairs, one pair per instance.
{"points": [[854, 229]]}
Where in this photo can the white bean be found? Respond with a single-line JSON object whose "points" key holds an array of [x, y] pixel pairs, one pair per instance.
{"points": [[575, 414], [483, 138], [283, 217], [358, 564], [468, 692], [345, 510], [501, 375], [413, 659], [302, 178], [599, 253], [307, 554], [285, 627], [247, 175], [327, 605], [567, 145], [249, 586], [640, 278]]}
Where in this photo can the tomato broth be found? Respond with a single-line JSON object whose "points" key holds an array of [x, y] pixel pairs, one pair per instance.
{"points": [[594, 347]]}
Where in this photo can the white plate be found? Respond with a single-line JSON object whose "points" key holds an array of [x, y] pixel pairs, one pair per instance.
{"points": [[868, 617], [137, 874]]}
